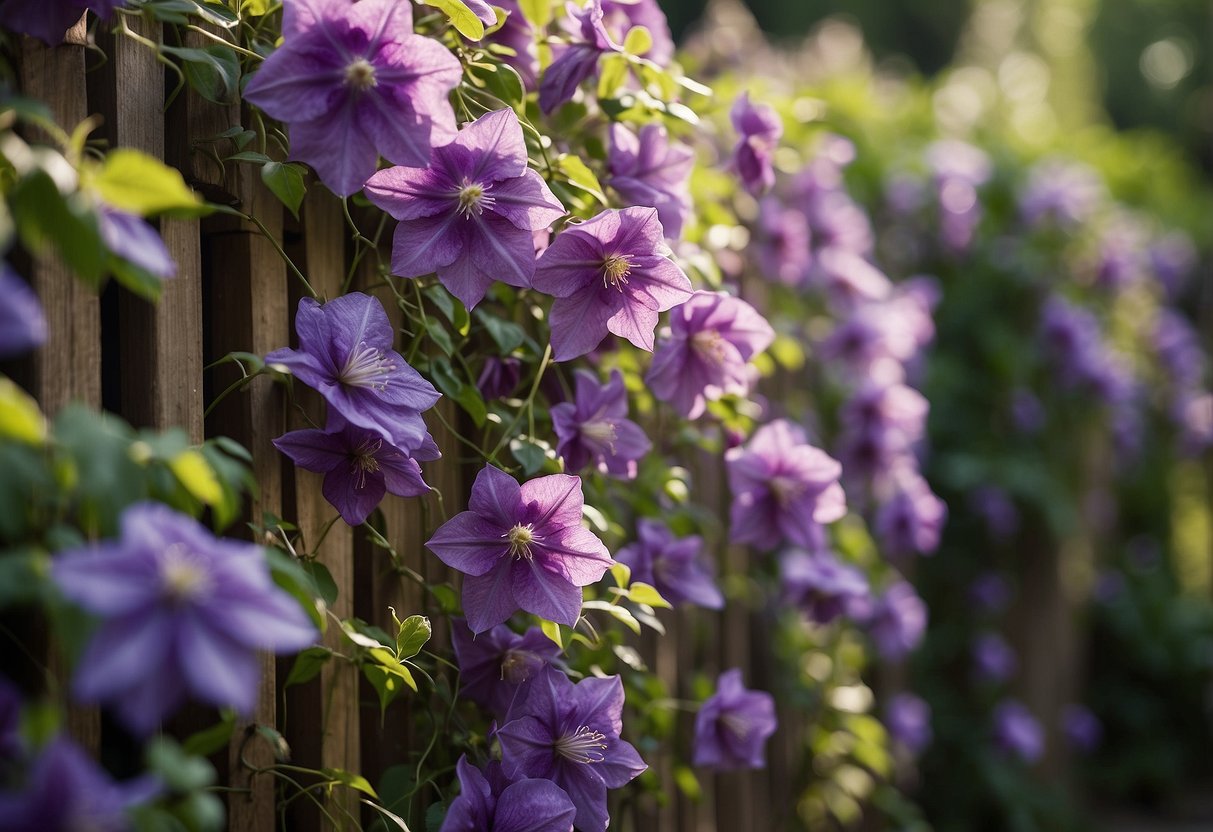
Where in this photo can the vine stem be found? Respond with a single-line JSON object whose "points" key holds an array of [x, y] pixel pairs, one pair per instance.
{"points": [[528, 405], [265, 232]]}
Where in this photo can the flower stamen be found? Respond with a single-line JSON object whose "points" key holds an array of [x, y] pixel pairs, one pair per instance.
{"points": [[181, 577], [360, 75], [584, 745], [521, 537], [473, 200], [615, 271], [366, 367]]}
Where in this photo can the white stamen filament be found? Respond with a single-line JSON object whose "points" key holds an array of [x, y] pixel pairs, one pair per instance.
{"points": [[584, 745], [473, 200], [736, 725], [521, 537], [602, 432], [709, 344], [365, 367], [363, 460], [181, 577], [615, 271]]}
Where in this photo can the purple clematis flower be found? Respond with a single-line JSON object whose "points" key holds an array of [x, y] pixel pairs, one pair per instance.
{"points": [[1017, 732], [359, 466], [65, 791], [135, 241], [820, 586], [675, 566], [488, 802], [993, 659], [499, 377], [345, 352], [782, 242], [496, 666], [49, 22], [181, 611], [22, 322], [578, 60], [649, 170], [912, 519], [712, 338], [760, 129], [471, 212], [897, 620], [620, 16], [569, 734], [353, 83], [609, 274], [1082, 728], [783, 488], [521, 547], [518, 34], [908, 719], [733, 725], [594, 428]]}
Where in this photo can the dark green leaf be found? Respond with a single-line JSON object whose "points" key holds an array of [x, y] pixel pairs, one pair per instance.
{"points": [[286, 182], [307, 665], [206, 742]]}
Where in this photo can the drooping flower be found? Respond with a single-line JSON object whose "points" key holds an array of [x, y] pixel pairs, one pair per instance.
{"points": [[897, 620], [1082, 728], [675, 566], [732, 726], [49, 21], [783, 488], [66, 791], [133, 239], [620, 16], [499, 377], [180, 611], [595, 429], [911, 521], [353, 82], [521, 547], [471, 211], [488, 802], [22, 322], [993, 659], [648, 170], [759, 129], [820, 586], [359, 466], [712, 338], [496, 666], [908, 719], [1017, 732], [609, 274], [345, 352], [577, 60], [569, 734]]}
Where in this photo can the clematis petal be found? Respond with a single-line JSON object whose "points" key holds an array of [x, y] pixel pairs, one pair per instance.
{"points": [[314, 450], [217, 669], [497, 496], [544, 593], [470, 543], [534, 805], [488, 599]]}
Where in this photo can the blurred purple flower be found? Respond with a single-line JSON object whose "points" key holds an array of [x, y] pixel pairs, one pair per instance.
{"points": [[49, 22], [1195, 414], [848, 279], [569, 734], [1082, 729], [521, 547], [578, 60], [65, 791], [345, 352], [897, 620], [494, 804], [353, 82], [908, 719], [883, 420], [820, 586], [595, 429], [609, 274], [676, 566], [959, 169], [499, 378], [838, 223], [712, 338], [470, 213], [1027, 413], [496, 666], [733, 725], [990, 592], [1017, 732], [783, 488], [993, 659], [912, 520], [1122, 259], [180, 611], [1179, 349], [650, 171], [879, 333], [1172, 258], [359, 466], [619, 16], [518, 34], [782, 243], [759, 129], [1062, 193], [996, 509], [22, 322], [135, 241], [12, 745]]}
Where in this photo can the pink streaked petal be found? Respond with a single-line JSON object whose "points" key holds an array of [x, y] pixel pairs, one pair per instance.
{"points": [[495, 141], [313, 450], [634, 322], [580, 322], [299, 82], [337, 148], [579, 555]]}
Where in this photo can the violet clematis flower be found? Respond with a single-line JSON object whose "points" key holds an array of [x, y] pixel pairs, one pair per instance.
{"points": [[499, 377], [134, 240], [609, 274], [594, 428], [993, 659], [181, 612], [518, 34], [821, 586], [783, 488], [911, 522], [759, 128], [521, 547], [908, 719], [712, 338], [353, 82], [22, 322], [49, 21], [359, 466], [620, 16], [65, 791], [897, 620], [345, 352], [1017, 732], [578, 60], [675, 566], [471, 211], [782, 241], [1082, 728], [488, 802], [648, 170], [732, 726], [569, 734], [496, 666]]}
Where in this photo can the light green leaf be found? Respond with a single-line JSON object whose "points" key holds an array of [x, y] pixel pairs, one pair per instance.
{"points": [[411, 635], [552, 630], [461, 17], [191, 469], [286, 182], [642, 593], [349, 778], [638, 41], [538, 12], [136, 182], [622, 573], [580, 176], [20, 418]]}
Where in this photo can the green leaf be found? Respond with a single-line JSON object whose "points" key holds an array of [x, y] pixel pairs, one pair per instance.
{"points": [[141, 184], [461, 17], [552, 630], [538, 12], [466, 395], [579, 175], [308, 665], [435, 814], [638, 41], [20, 418], [191, 470], [506, 334], [323, 579], [212, 71], [412, 634], [612, 74], [206, 742], [350, 779], [529, 453], [642, 593], [22, 576], [44, 216], [285, 180], [622, 573], [180, 771], [621, 614]]}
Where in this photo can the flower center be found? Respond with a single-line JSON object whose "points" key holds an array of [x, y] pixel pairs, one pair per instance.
{"points": [[735, 725], [360, 75], [363, 461], [584, 745], [366, 367], [709, 344], [601, 432], [521, 537], [181, 577], [519, 665], [473, 200], [785, 489], [615, 271]]}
